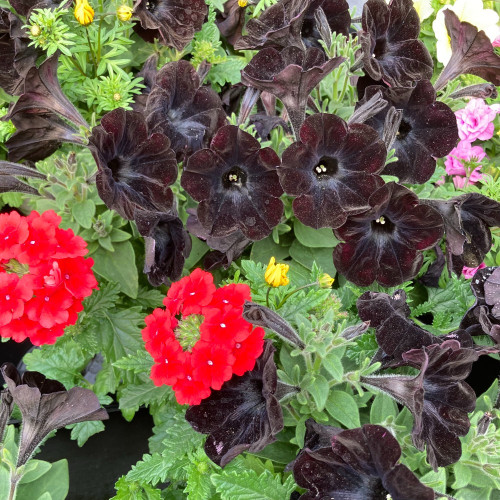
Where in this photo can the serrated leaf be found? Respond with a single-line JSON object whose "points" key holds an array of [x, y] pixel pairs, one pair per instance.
{"points": [[141, 362], [102, 299], [133, 396], [82, 431], [132, 490], [198, 484], [342, 407], [247, 485], [149, 298], [152, 469]]}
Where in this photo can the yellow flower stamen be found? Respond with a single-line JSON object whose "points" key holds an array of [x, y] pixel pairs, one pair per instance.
{"points": [[242, 3], [325, 281], [276, 273], [124, 13], [84, 13]]}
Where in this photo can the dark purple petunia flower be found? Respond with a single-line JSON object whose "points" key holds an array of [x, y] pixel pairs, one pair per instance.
{"points": [[290, 75], [148, 73], [391, 51], [471, 53], [438, 397], [395, 332], [16, 58], [237, 185], [336, 13], [178, 107], [384, 244], [25, 7], [332, 170], [244, 415], [467, 220], [46, 405], [279, 26], [359, 464], [428, 130], [484, 316], [135, 168], [167, 245], [231, 21], [172, 22]]}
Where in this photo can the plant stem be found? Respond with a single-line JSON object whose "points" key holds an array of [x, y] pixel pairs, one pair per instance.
{"points": [[288, 295], [13, 486], [76, 64], [267, 296], [92, 54]]}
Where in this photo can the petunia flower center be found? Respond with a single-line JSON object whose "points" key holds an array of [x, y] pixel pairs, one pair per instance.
{"points": [[150, 5], [380, 48], [326, 167], [404, 130], [188, 331], [383, 225], [120, 169], [234, 178]]}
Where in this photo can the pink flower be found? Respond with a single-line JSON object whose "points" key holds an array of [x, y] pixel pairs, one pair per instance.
{"points": [[475, 121], [464, 152], [469, 272], [496, 42], [460, 182]]}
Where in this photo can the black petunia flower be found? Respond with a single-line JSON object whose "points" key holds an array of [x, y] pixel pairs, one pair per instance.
{"points": [[467, 220], [46, 405], [438, 397], [231, 21], [290, 75], [384, 244], [471, 53], [279, 26], [16, 58], [332, 170], [167, 245], [359, 463], [134, 168], [428, 130], [244, 415], [336, 13], [484, 316], [390, 45], [25, 7], [182, 110], [395, 332], [148, 73], [237, 185], [172, 22]]}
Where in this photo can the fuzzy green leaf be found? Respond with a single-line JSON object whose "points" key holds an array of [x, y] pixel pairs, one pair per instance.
{"points": [[342, 407], [382, 407]]}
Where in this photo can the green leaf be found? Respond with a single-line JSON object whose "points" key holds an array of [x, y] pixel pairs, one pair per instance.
{"points": [[141, 362], [248, 485], [55, 482], [149, 298], [333, 364], [118, 267], [102, 299], [319, 390], [152, 469], [314, 238], [382, 407], [435, 480], [34, 470], [133, 396], [132, 490], [119, 332], [60, 362], [83, 212], [463, 475], [4, 483], [228, 71], [342, 407], [82, 431], [198, 484], [198, 250], [264, 249], [306, 256]]}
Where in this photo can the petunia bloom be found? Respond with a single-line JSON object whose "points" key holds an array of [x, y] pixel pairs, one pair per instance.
{"points": [[385, 243], [332, 170], [389, 41], [46, 405], [135, 167], [355, 463], [172, 22], [244, 415], [179, 107], [469, 272], [438, 397], [464, 152], [475, 121], [290, 75], [427, 131], [237, 185]]}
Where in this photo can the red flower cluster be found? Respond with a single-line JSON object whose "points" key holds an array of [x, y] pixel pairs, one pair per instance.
{"points": [[207, 344], [43, 277]]}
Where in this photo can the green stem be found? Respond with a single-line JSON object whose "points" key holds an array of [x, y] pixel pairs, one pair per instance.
{"points": [[14, 480], [76, 64], [288, 295], [92, 54], [267, 297], [344, 88]]}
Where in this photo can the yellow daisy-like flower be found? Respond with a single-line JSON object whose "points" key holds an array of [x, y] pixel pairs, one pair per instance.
{"points": [[242, 3], [84, 13], [124, 13], [325, 281], [276, 273]]}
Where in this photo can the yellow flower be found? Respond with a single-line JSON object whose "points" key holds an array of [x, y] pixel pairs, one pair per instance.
{"points": [[35, 30], [242, 3], [84, 13], [325, 281], [276, 273], [470, 11], [124, 13]]}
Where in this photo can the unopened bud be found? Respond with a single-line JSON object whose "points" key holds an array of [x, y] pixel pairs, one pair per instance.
{"points": [[35, 30], [116, 96], [124, 13], [325, 281]]}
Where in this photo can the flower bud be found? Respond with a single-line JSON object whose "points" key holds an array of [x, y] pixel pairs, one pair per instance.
{"points": [[276, 273], [325, 281], [124, 13], [242, 3], [35, 30], [116, 96], [84, 13]]}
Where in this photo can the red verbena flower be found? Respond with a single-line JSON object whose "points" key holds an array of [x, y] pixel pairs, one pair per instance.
{"points": [[212, 363], [247, 351], [223, 325], [14, 292], [13, 232]]}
